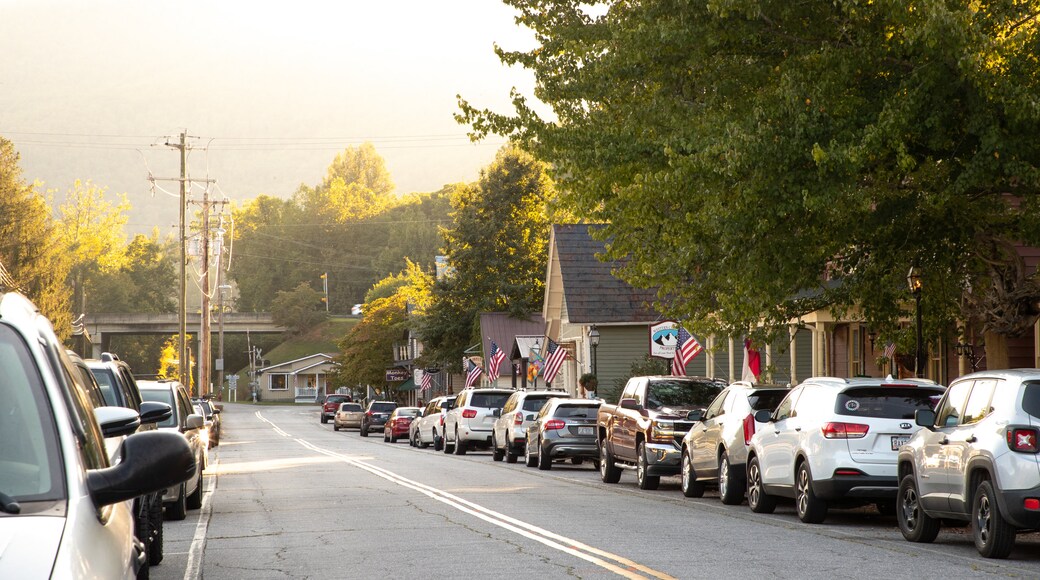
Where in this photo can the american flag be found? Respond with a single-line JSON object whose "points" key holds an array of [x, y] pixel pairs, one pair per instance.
{"points": [[554, 357], [890, 350], [686, 348], [427, 382], [498, 356], [472, 373]]}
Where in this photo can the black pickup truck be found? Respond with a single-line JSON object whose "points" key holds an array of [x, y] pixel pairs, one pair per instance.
{"points": [[644, 431]]}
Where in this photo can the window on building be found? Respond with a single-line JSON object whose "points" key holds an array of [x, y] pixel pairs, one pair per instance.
{"points": [[856, 355], [279, 382]]}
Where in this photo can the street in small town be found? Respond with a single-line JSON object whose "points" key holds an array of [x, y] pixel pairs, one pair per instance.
{"points": [[287, 497]]}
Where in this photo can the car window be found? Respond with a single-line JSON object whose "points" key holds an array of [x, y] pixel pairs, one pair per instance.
{"points": [[533, 404], [664, 393], [488, 400], [631, 391], [133, 396], [408, 412], [105, 381], [183, 401], [30, 460], [1031, 398], [766, 399], [716, 407], [783, 410], [953, 407], [162, 396], [886, 402], [977, 406], [577, 411], [350, 407], [511, 403], [382, 407]]}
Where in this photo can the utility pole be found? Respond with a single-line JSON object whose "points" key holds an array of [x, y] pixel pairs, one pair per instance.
{"points": [[204, 331]]}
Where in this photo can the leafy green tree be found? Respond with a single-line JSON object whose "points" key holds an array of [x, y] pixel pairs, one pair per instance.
{"points": [[497, 244], [357, 185], [299, 309], [760, 159], [30, 246], [266, 255]]}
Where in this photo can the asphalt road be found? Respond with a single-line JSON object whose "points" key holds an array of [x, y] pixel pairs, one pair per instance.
{"points": [[286, 497]]}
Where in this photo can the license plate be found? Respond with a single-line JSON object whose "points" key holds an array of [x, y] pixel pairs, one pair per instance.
{"points": [[898, 441], [585, 431]]}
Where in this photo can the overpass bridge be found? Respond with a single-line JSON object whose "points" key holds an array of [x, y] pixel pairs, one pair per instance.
{"points": [[101, 327]]}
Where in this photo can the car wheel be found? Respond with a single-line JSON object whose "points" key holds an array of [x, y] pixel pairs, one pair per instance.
{"points": [[422, 444], [511, 454], [143, 525], [645, 481], [544, 461], [448, 447], [364, 430], [324, 419], [145, 573], [460, 445], [577, 460], [155, 549], [386, 436], [914, 523], [688, 482], [758, 500], [529, 460], [609, 472], [496, 453], [178, 510], [335, 426], [994, 536], [731, 485], [194, 500], [811, 509], [438, 442]]}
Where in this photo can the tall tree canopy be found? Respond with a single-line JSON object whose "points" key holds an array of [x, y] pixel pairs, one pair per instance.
{"points": [[497, 245], [745, 151], [92, 231], [30, 247]]}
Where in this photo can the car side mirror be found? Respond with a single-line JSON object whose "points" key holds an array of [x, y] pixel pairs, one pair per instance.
{"points": [[530, 417], [117, 421], [152, 461], [630, 404], [925, 418], [155, 412], [216, 411], [764, 416], [695, 415], [194, 421], [496, 412]]}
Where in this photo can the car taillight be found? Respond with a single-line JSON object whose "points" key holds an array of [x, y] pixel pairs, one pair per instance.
{"points": [[749, 428], [845, 430], [468, 413], [518, 419], [442, 420], [554, 424], [1022, 439], [368, 414]]}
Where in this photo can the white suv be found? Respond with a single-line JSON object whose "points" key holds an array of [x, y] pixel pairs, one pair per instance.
{"points": [[469, 422], [975, 460], [509, 432], [835, 441], [66, 508]]}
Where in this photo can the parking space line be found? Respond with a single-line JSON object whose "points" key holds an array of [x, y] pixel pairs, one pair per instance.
{"points": [[193, 570]]}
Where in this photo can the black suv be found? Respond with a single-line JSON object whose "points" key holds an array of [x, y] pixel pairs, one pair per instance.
{"points": [[376, 415], [119, 389]]}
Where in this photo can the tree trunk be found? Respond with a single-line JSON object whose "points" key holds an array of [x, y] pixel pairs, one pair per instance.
{"points": [[996, 351]]}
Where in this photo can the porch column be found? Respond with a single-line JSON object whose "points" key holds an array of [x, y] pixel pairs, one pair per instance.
{"points": [[733, 376], [792, 332], [709, 362]]}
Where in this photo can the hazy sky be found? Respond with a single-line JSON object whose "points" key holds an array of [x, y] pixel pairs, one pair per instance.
{"points": [[92, 90]]}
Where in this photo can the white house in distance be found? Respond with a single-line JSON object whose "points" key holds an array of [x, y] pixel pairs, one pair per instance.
{"points": [[302, 380]]}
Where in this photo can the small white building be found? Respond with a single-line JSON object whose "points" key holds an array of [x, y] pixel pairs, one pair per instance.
{"points": [[302, 380]]}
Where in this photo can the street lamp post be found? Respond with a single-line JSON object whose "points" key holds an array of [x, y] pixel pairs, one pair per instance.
{"points": [[913, 279], [593, 342]]}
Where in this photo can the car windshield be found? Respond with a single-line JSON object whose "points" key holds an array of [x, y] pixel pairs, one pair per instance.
{"points": [[408, 413], [108, 389], [29, 456], [766, 399], [489, 400], [886, 402], [576, 411], [337, 399], [676, 393], [535, 404], [383, 407], [162, 396]]}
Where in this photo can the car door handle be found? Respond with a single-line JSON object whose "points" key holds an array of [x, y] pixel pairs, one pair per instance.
{"points": [[944, 441], [797, 428], [971, 439]]}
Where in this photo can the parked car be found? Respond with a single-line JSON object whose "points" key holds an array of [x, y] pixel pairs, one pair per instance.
{"points": [[429, 428], [644, 430], [376, 415], [413, 427], [204, 432], [211, 414], [563, 429], [398, 423], [119, 388], [184, 421], [835, 442], [976, 460], [348, 415], [67, 509], [331, 404], [468, 423], [509, 431], [714, 451]]}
